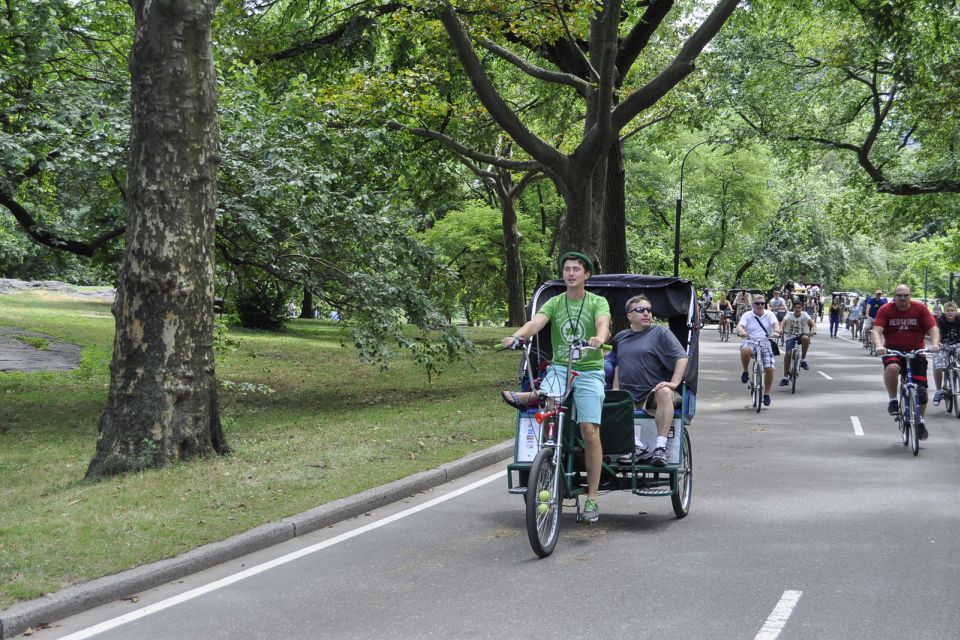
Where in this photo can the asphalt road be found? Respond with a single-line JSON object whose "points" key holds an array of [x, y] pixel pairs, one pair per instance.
{"points": [[800, 527]]}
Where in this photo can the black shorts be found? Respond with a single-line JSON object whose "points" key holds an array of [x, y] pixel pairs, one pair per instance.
{"points": [[919, 367]]}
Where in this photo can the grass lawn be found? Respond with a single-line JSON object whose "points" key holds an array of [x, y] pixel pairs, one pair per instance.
{"points": [[331, 427]]}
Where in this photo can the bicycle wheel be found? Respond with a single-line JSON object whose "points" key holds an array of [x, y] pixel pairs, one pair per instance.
{"points": [[955, 388], [913, 412], [794, 372], [757, 386], [902, 418], [545, 504], [681, 499], [948, 390]]}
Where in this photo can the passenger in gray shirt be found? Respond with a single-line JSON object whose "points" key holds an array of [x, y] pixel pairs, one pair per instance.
{"points": [[650, 365]]}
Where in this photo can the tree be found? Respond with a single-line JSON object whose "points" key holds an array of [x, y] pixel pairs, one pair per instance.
{"points": [[162, 402], [63, 122], [871, 80], [594, 58]]}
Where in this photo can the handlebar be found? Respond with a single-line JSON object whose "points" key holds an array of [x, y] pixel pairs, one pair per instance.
{"points": [[907, 354]]}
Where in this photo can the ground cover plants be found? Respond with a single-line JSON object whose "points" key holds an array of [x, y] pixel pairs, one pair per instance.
{"points": [[307, 423]]}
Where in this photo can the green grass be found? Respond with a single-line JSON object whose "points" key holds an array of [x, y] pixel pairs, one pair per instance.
{"points": [[41, 344], [331, 427]]}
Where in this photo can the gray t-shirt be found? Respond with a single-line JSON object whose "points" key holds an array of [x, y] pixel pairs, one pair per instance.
{"points": [[646, 358]]}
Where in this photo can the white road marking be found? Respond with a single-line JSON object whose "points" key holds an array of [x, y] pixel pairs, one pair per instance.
{"points": [[779, 616], [857, 428], [824, 375], [276, 562]]}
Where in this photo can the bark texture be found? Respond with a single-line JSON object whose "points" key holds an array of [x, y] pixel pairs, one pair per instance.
{"points": [[162, 403]]}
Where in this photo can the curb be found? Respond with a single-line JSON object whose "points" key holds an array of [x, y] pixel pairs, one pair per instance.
{"points": [[81, 597]]}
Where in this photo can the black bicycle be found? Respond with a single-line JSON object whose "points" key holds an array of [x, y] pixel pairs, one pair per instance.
{"points": [[908, 416], [951, 381]]}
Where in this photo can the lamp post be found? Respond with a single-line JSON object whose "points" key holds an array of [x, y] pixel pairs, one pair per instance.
{"points": [[676, 223]]}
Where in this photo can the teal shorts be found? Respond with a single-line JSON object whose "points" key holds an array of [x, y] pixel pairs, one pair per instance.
{"points": [[588, 391]]}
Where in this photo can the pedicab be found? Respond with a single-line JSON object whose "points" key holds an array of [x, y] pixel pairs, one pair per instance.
{"points": [[548, 466]]}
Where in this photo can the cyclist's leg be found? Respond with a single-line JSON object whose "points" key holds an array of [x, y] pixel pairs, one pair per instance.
{"points": [[588, 399], [788, 356], [805, 346], [769, 367], [920, 377], [746, 352], [891, 376]]}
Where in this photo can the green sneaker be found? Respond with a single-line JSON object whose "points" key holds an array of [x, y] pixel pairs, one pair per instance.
{"points": [[591, 512]]}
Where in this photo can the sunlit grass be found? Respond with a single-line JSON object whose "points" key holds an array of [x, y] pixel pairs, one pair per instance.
{"points": [[332, 427]]}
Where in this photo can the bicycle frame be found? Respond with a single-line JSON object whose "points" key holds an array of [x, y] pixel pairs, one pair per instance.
{"points": [[908, 413], [951, 381], [755, 385]]}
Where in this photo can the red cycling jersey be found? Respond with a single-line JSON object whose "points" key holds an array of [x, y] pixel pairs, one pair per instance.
{"points": [[904, 330]]}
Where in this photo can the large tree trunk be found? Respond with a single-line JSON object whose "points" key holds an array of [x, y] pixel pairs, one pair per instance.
{"points": [[613, 241], [516, 296], [306, 307], [579, 231], [162, 402]]}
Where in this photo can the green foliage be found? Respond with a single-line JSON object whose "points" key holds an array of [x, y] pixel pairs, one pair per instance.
{"points": [[262, 302], [64, 114], [470, 241]]}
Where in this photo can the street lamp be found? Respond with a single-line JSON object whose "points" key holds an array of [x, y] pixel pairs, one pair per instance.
{"points": [[676, 223]]}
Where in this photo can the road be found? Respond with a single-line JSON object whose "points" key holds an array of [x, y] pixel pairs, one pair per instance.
{"points": [[802, 526]]}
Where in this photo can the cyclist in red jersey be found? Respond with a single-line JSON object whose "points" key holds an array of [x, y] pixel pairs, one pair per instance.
{"points": [[902, 325]]}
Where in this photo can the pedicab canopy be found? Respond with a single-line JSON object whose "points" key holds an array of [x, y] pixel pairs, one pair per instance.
{"points": [[673, 300]]}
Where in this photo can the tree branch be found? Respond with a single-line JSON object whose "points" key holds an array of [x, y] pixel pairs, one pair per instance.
{"points": [[639, 37], [559, 77], [465, 151], [680, 68], [488, 95]]}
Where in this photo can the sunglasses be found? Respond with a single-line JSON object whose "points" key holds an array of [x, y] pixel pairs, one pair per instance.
{"points": [[759, 304], [640, 310]]}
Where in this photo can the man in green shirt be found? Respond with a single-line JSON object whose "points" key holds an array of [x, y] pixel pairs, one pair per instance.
{"points": [[575, 315]]}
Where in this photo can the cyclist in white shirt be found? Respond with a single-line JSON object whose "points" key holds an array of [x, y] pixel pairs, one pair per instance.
{"points": [[761, 325], [798, 321], [778, 305]]}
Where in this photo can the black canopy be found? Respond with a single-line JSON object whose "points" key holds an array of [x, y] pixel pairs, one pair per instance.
{"points": [[673, 299]]}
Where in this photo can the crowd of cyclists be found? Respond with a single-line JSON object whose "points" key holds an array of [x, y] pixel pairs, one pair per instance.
{"points": [[790, 313]]}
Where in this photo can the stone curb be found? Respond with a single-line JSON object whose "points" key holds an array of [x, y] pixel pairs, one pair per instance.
{"points": [[81, 597]]}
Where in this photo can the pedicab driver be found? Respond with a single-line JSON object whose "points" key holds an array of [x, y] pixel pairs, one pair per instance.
{"points": [[902, 325], [650, 365], [576, 315], [761, 325]]}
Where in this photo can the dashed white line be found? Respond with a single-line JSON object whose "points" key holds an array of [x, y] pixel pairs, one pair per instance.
{"points": [[857, 428], [779, 616], [824, 375], [276, 562]]}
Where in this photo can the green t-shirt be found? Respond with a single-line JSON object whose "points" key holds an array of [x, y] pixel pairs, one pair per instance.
{"points": [[575, 320]]}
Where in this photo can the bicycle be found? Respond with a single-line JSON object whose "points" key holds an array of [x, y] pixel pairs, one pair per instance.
{"points": [[908, 412], [755, 383], [546, 488], [951, 381], [724, 327], [795, 356], [866, 340]]}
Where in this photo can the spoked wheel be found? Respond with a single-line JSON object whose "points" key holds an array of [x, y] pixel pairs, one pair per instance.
{"points": [[948, 392], [681, 499], [902, 422], [794, 374], [757, 388], [913, 413], [544, 503], [955, 391]]}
